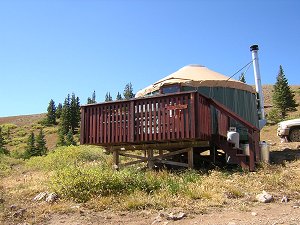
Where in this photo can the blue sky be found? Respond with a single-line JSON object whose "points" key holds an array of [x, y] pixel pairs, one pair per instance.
{"points": [[51, 48]]}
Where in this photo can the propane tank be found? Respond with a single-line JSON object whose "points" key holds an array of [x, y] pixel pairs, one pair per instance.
{"points": [[233, 137]]}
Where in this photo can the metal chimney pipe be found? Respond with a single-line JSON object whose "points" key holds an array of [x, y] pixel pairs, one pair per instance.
{"points": [[258, 87]]}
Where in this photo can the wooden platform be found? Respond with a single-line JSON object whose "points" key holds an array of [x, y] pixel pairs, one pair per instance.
{"points": [[173, 122]]}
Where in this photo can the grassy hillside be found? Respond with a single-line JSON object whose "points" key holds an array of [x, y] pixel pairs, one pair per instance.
{"points": [[82, 176], [16, 129]]}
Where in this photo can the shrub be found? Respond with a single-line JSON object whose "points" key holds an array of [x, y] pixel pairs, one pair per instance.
{"points": [[66, 156], [81, 183], [273, 116], [6, 164]]}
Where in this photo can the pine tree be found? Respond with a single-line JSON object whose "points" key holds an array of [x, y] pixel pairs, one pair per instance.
{"points": [[58, 110], [41, 143], [3, 149], [108, 97], [119, 96], [51, 115], [75, 112], [242, 78], [70, 138], [61, 138], [128, 91], [283, 97], [89, 101], [65, 119], [93, 99], [30, 149]]}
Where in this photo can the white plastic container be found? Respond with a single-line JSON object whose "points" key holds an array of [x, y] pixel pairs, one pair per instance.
{"points": [[245, 148], [264, 152]]}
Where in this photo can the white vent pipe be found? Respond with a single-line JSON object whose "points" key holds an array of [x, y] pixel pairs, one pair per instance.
{"points": [[258, 87]]}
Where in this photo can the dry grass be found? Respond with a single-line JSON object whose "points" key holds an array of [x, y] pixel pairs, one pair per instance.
{"points": [[198, 193]]}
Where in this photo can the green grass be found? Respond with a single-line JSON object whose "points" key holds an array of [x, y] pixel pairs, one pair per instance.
{"points": [[7, 163]]}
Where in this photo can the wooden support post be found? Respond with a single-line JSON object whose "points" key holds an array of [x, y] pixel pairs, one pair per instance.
{"points": [[116, 159], [256, 140], [150, 160], [160, 153], [212, 153], [191, 158], [251, 150]]}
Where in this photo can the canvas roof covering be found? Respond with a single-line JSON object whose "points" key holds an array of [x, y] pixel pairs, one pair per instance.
{"points": [[196, 76]]}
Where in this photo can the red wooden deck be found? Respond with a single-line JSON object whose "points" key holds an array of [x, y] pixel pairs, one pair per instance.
{"points": [[180, 117]]}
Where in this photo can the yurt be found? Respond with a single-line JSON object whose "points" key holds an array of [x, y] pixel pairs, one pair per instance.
{"points": [[235, 95]]}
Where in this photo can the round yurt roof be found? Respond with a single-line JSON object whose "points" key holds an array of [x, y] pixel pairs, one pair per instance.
{"points": [[196, 76]]}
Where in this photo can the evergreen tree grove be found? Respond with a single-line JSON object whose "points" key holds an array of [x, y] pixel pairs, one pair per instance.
{"points": [[283, 97], [70, 115]]}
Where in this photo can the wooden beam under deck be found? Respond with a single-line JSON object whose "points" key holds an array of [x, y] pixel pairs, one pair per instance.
{"points": [[151, 159], [160, 146]]}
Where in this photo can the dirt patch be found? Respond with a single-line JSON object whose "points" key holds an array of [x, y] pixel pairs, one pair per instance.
{"points": [[259, 213]]}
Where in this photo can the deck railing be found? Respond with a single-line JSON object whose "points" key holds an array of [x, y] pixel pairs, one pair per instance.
{"points": [[182, 116]]}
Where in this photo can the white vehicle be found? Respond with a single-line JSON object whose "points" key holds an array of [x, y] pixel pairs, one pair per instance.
{"points": [[290, 130]]}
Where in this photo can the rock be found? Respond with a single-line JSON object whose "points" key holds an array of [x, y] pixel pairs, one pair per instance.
{"points": [[264, 197], [254, 213], [13, 207], [19, 213], [284, 199], [40, 196], [52, 197], [1, 200], [296, 205], [158, 219], [75, 207], [177, 216], [115, 167]]}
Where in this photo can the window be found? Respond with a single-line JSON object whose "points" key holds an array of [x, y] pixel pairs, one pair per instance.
{"points": [[170, 89]]}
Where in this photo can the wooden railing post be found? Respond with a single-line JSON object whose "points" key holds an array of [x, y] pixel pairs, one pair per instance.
{"points": [[82, 126], [192, 115], [131, 123]]}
